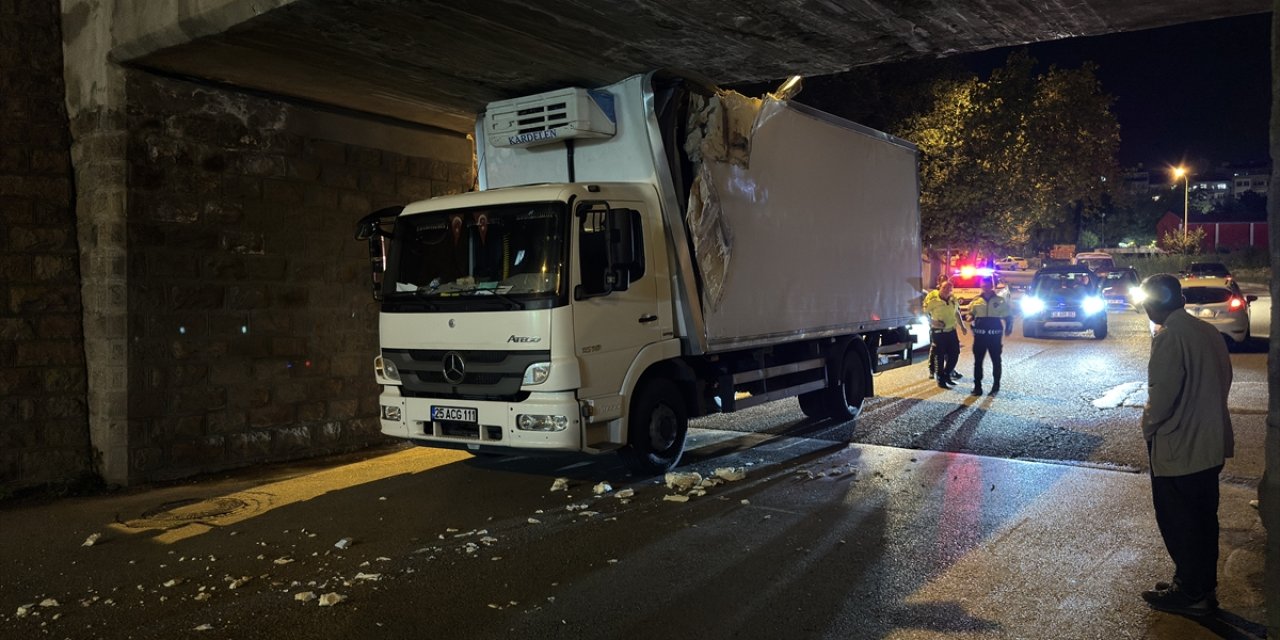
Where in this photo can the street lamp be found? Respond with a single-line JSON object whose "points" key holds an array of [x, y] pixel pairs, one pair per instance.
{"points": [[1181, 172]]}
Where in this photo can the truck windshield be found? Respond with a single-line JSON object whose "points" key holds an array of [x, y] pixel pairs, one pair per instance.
{"points": [[509, 256]]}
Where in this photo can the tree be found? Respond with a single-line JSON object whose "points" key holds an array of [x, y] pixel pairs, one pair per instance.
{"points": [[1016, 155], [1188, 245]]}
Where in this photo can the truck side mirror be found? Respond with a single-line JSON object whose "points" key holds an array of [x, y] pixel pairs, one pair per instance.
{"points": [[372, 229]]}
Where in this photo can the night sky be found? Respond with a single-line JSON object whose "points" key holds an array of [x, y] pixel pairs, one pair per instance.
{"points": [[1198, 92]]}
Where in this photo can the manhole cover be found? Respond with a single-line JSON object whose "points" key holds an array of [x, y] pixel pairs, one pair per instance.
{"points": [[195, 509]]}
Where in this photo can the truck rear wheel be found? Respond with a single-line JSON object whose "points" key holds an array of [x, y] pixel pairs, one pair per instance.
{"points": [[656, 429], [844, 400], [814, 403]]}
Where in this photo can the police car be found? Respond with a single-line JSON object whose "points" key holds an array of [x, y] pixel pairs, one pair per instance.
{"points": [[966, 284]]}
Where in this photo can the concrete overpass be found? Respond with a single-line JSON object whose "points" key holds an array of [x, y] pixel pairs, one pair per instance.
{"points": [[220, 149]]}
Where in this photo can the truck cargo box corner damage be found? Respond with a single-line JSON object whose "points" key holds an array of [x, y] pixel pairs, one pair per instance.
{"points": [[719, 130]]}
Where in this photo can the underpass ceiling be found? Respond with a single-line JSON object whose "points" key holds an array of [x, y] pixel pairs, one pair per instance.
{"points": [[438, 62]]}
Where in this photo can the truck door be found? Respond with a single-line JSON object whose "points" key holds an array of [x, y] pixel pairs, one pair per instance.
{"points": [[616, 311]]}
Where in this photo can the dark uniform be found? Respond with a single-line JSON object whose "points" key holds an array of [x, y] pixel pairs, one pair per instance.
{"points": [[992, 321]]}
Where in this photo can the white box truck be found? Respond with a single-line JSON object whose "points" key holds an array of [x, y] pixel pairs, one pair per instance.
{"points": [[638, 255]]}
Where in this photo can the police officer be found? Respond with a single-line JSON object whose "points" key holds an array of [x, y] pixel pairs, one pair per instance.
{"points": [[944, 320], [933, 344], [991, 321]]}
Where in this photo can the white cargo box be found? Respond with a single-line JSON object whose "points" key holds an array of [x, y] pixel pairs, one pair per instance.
{"points": [[550, 117]]}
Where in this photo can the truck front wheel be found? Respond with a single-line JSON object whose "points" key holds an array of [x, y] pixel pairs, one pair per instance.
{"points": [[656, 429]]}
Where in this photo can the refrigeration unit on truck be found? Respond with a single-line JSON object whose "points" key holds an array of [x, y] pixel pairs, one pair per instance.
{"points": [[638, 255]]}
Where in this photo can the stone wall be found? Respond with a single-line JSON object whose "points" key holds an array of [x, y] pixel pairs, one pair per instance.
{"points": [[252, 330], [43, 418]]}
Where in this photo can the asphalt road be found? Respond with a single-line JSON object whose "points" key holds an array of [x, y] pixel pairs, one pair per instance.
{"points": [[880, 527]]}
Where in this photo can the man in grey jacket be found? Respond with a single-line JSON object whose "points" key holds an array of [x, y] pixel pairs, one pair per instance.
{"points": [[1188, 433]]}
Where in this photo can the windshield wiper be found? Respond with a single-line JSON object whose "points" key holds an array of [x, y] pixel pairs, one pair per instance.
{"points": [[480, 293]]}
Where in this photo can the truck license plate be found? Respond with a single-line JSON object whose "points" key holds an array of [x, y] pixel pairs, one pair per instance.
{"points": [[1064, 314], [454, 414]]}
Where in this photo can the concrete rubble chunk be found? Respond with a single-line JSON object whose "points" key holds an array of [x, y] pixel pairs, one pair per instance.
{"points": [[560, 484], [344, 543], [534, 521], [239, 582], [202, 596], [204, 627], [682, 481], [602, 488], [624, 494], [577, 507], [305, 596], [330, 599], [488, 540], [48, 602], [91, 540], [173, 582], [731, 474], [588, 513], [471, 547], [24, 610], [283, 560], [371, 577], [676, 498]]}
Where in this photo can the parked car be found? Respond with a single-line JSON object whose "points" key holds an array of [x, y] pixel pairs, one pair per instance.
{"points": [[1095, 260], [1011, 263], [966, 284], [1122, 288], [1064, 298], [1220, 302], [1207, 270]]}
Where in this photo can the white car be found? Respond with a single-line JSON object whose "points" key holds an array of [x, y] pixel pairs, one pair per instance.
{"points": [[1011, 263], [1220, 302], [966, 284]]}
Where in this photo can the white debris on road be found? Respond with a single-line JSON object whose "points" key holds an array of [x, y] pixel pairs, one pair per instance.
{"points": [[330, 599], [624, 494], [731, 474], [24, 610], [682, 481], [91, 540], [205, 627], [602, 488], [173, 582], [344, 543], [1129, 394], [283, 560], [534, 521], [560, 484], [48, 602], [202, 596], [239, 582], [305, 596], [577, 507], [372, 577], [676, 498]]}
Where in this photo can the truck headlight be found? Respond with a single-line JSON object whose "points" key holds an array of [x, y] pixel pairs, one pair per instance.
{"points": [[1093, 304], [526, 422], [386, 371], [537, 373], [1137, 295], [1032, 305]]}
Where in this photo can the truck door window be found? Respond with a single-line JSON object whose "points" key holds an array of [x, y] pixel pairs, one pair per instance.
{"points": [[610, 249]]}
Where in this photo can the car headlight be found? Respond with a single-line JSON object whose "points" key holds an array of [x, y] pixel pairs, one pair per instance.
{"points": [[386, 371], [1093, 304], [1032, 305], [537, 373], [526, 422], [1137, 294]]}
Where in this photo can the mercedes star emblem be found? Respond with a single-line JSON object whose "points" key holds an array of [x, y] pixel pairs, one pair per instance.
{"points": [[453, 366]]}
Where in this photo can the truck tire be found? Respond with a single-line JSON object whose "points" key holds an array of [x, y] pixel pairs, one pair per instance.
{"points": [[1100, 331], [656, 427], [844, 399], [814, 403]]}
